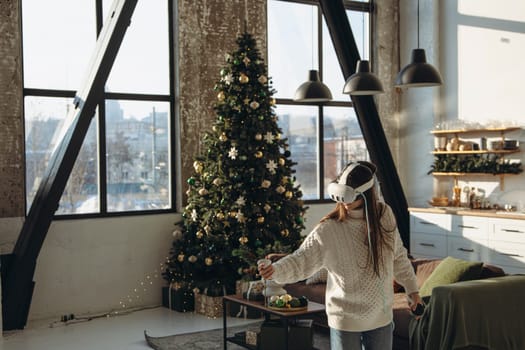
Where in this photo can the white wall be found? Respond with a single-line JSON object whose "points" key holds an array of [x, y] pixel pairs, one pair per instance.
{"points": [[479, 48], [92, 266]]}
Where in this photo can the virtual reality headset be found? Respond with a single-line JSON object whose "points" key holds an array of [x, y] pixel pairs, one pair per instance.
{"points": [[340, 192]]}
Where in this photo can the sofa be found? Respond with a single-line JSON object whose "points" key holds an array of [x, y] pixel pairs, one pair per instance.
{"points": [[315, 291]]}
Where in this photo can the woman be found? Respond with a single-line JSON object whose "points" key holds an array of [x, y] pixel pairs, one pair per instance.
{"points": [[359, 245]]}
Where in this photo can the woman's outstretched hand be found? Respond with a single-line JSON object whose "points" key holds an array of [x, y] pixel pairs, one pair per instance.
{"points": [[265, 268]]}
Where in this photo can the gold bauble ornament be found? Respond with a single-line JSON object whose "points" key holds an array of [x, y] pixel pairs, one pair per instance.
{"points": [[223, 137], [272, 101], [203, 191], [243, 78], [192, 259], [243, 240], [260, 219], [258, 154], [214, 128], [180, 257], [288, 194], [258, 137], [208, 261], [266, 183], [217, 181], [220, 216], [221, 96], [281, 161], [280, 189], [285, 232], [199, 234], [233, 214], [198, 166]]}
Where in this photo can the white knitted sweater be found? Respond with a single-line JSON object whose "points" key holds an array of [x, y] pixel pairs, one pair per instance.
{"points": [[356, 299]]}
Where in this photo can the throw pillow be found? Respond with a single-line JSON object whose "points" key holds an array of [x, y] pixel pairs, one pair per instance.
{"points": [[318, 277], [451, 270]]}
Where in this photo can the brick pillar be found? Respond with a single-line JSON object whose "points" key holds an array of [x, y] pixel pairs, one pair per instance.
{"points": [[11, 122]]}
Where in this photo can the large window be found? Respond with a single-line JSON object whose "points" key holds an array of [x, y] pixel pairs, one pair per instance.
{"points": [[322, 138], [125, 163]]}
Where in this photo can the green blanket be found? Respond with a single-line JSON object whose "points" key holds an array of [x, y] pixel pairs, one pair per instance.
{"points": [[480, 314]]}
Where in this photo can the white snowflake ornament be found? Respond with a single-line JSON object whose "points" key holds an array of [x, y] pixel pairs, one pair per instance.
{"points": [[241, 201], [268, 137], [240, 217], [233, 153], [271, 166]]}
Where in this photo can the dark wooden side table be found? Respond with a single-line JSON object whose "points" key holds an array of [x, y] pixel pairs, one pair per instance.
{"points": [[284, 316]]}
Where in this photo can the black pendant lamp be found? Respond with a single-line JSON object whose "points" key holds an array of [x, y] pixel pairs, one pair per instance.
{"points": [[363, 82], [313, 90], [418, 73]]}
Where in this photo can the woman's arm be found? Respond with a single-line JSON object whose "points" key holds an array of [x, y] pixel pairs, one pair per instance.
{"points": [[302, 263]]}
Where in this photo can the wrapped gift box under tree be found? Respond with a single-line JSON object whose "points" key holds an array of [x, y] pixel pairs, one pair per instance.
{"points": [[178, 298]]}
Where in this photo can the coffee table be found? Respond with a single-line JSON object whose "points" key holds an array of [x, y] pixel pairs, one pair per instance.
{"points": [[284, 316]]}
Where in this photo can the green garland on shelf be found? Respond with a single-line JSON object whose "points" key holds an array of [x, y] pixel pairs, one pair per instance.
{"points": [[493, 164]]}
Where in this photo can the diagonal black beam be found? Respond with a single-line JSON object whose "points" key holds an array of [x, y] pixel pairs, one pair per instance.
{"points": [[367, 115], [18, 286]]}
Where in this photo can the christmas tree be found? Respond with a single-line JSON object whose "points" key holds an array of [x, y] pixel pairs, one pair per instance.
{"points": [[242, 199]]}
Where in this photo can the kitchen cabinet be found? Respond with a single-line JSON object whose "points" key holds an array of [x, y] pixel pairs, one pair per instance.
{"points": [[507, 244], [492, 239]]}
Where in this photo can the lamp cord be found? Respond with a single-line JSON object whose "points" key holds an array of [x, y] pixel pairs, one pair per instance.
{"points": [[418, 24], [363, 31], [313, 24]]}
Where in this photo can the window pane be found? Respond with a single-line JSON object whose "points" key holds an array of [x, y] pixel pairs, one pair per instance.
{"points": [[81, 194], [142, 63], [343, 141], [332, 74], [59, 38], [292, 45], [45, 118], [138, 158], [300, 125]]}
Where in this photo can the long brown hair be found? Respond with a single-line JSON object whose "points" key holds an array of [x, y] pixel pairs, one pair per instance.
{"points": [[375, 210]]}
